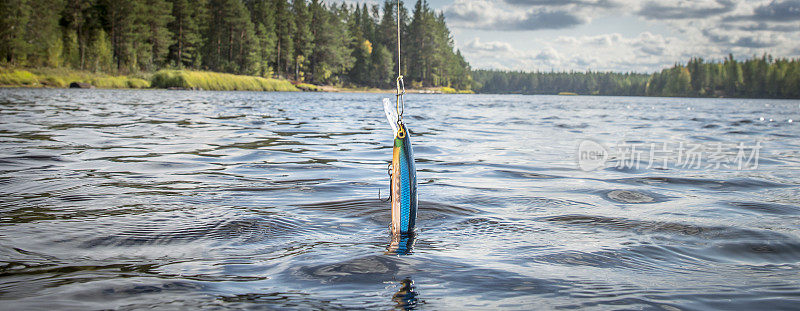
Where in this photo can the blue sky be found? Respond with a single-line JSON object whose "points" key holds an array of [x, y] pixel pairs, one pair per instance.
{"points": [[616, 35]]}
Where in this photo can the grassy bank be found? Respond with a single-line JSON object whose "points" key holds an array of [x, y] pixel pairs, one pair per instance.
{"points": [[450, 90], [180, 79], [56, 77], [216, 81]]}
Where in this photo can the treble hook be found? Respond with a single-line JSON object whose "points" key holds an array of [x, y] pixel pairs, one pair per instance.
{"points": [[389, 170]]}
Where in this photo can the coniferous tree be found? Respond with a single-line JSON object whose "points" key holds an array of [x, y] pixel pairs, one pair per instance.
{"points": [[303, 37], [330, 54], [14, 15], [232, 39], [284, 30], [43, 33], [119, 21], [187, 32], [79, 19], [153, 38], [263, 16]]}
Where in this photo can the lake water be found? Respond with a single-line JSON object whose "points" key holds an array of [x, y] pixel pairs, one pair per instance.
{"points": [[125, 199]]}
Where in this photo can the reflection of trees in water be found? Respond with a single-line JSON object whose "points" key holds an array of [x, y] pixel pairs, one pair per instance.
{"points": [[406, 297]]}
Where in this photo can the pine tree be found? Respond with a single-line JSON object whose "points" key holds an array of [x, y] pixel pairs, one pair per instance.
{"points": [[14, 15], [387, 31], [302, 36], [263, 16], [187, 32], [119, 21], [43, 33], [77, 21], [232, 43], [284, 30], [330, 54], [152, 38]]}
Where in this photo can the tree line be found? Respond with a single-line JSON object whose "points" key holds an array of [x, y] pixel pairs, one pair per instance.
{"points": [[757, 77], [298, 39], [589, 82]]}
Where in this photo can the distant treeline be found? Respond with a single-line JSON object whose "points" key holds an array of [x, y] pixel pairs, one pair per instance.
{"points": [[594, 83], [297, 39], [758, 77]]}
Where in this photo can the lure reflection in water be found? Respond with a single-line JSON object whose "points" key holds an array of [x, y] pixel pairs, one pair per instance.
{"points": [[403, 184], [401, 244], [406, 297]]}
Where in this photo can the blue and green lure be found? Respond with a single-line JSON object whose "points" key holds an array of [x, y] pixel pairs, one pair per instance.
{"points": [[403, 181]]}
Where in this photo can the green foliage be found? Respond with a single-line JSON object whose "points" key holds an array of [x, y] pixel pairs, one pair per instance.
{"points": [[152, 38], [303, 37], [17, 77], [187, 32], [447, 90], [284, 30], [217, 81], [43, 33], [758, 77], [62, 77], [331, 52], [53, 81], [14, 16], [762, 77], [308, 87], [590, 83], [232, 43], [263, 17], [99, 55], [342, 44]]}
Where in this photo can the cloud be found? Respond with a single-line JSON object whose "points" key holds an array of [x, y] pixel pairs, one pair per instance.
{"points": [[548, 55], [686, 9], [594, 3], [486, 15], [778, 11], [599, 40], [491, 46], [543, 19], [667, 31], [753, 42], [766, 27], [743, 39]]}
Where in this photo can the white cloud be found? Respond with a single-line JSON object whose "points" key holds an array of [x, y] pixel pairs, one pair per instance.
{"points": [[483, 14], [595, 34], [492, 46]]}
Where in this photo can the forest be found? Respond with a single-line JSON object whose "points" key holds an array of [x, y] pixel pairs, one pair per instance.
{"points": [[301, 40], [757, 77], [322, 43]]}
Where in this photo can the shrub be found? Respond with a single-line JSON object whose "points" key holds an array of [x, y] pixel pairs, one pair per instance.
{"points": [[217, 81], [17, 77]]}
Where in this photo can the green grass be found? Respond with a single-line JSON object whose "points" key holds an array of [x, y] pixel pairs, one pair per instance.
{"points": [[17, 77], [62, 77], [217, 81], [308, 87], [450, 90], [447, 90]]}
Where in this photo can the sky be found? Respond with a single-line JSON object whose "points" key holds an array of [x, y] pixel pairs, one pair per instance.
{"points": [[616, 35]]}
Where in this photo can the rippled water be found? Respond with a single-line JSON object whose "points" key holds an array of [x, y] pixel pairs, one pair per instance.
{"points": [[180, 200]]}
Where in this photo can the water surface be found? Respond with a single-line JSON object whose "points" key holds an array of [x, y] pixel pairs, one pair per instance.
{"points": [[117, 199]]}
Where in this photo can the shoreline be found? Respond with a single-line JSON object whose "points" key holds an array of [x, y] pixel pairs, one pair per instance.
{"points": [[179, 80]]}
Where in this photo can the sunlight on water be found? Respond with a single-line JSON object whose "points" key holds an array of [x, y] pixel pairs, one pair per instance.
{"points": [[184, 200]]}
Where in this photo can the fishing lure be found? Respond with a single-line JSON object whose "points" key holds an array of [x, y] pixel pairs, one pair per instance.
{"points": [[403, 181]]}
